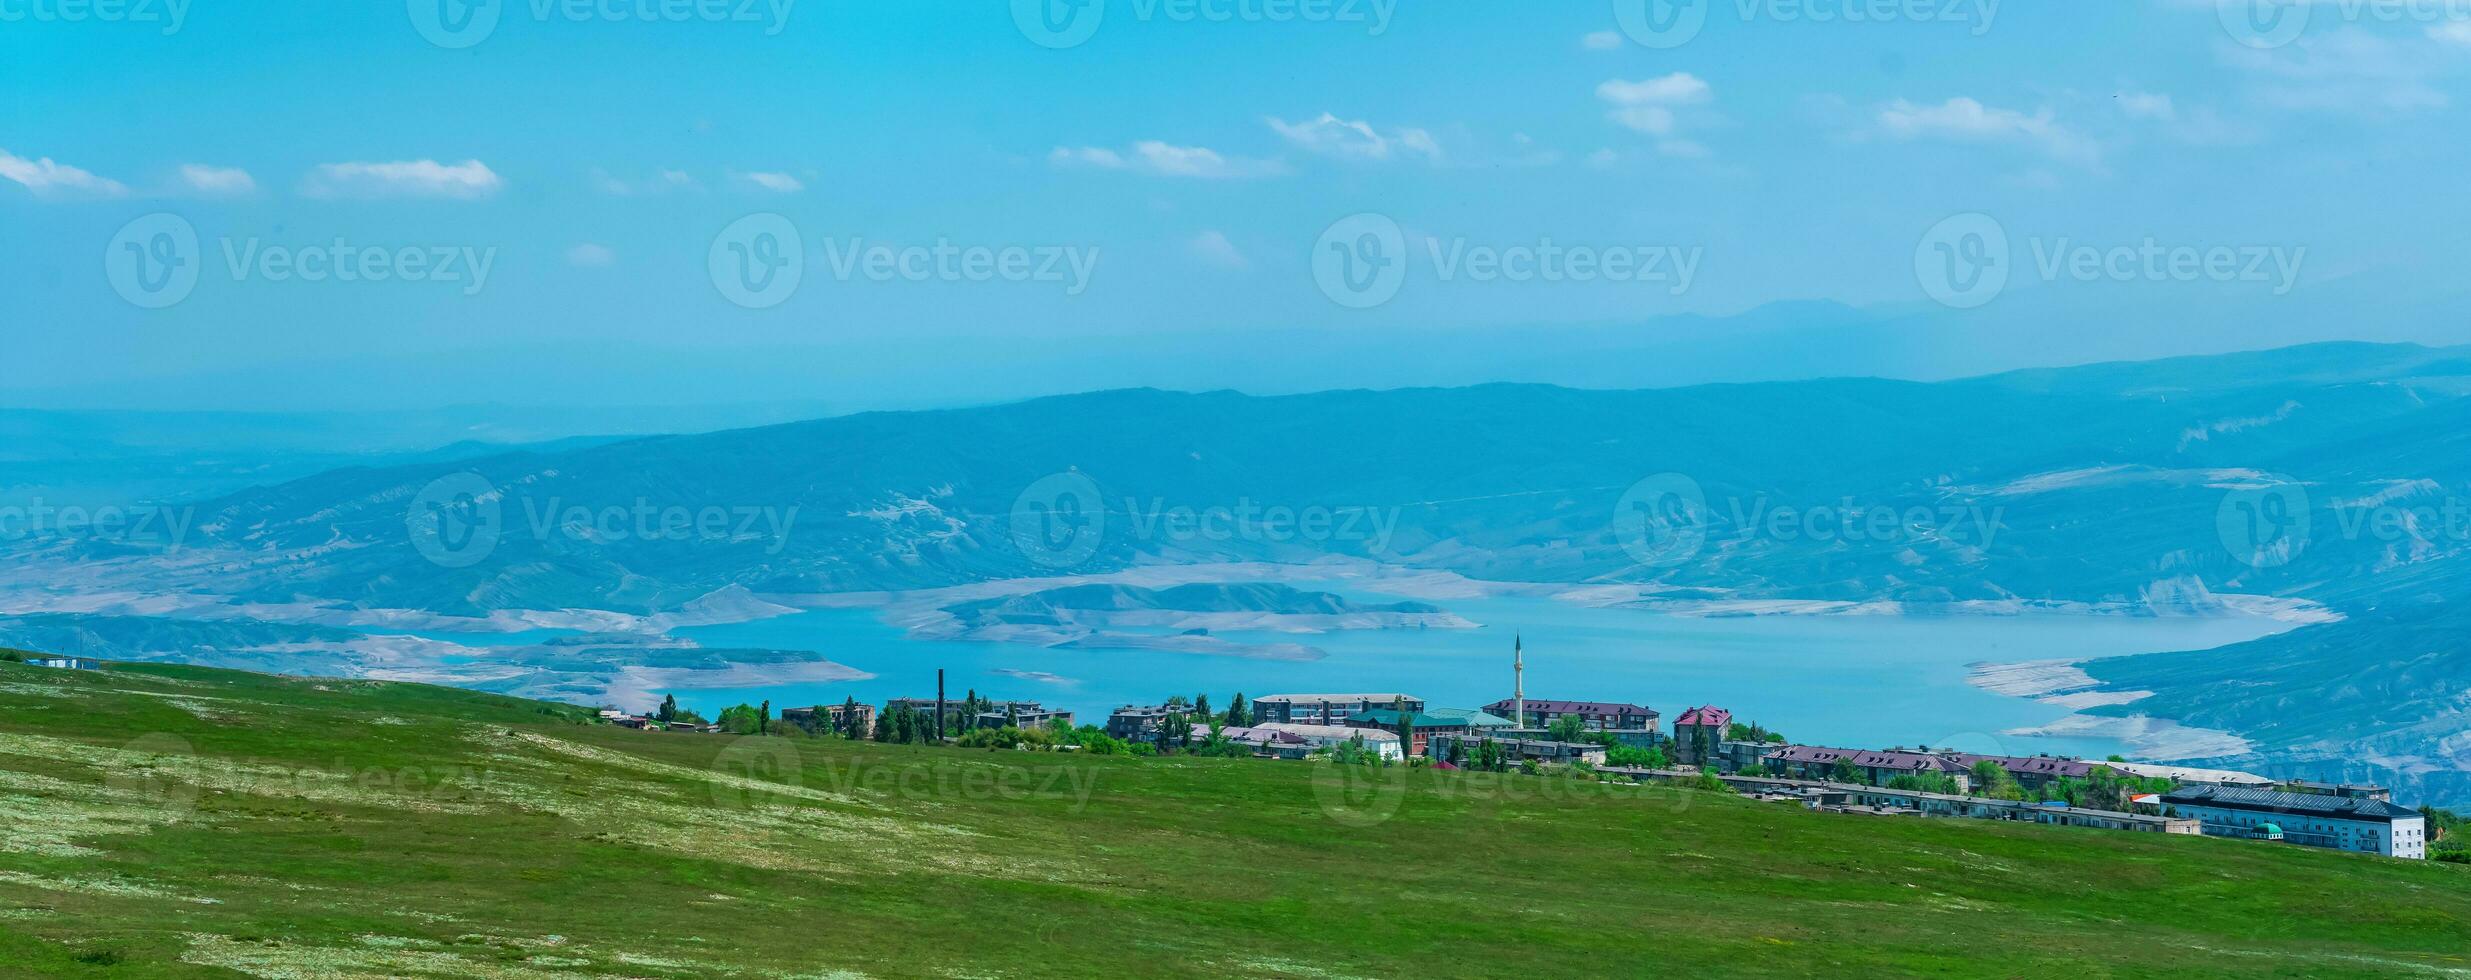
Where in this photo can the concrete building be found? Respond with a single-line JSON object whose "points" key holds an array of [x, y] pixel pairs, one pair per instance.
{"points": [[1270, 742], [828, 718], [2337, 822], [1463, 745], [1325, 709], [1325, 736], [1597, 715], [1030, 714], [1139, 723], [1869, 768]]}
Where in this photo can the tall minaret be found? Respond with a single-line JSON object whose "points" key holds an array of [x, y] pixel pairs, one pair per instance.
{"points": [[1518, 680]]}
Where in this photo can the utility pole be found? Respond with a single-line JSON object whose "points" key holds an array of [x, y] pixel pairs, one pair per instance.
{"points": [[939, 704]]}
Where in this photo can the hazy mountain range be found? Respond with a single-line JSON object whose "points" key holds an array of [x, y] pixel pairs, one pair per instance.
{"points": [[2323, 479]]}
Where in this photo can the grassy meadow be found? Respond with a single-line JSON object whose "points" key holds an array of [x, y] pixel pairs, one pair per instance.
{"points": [[170, 821]]}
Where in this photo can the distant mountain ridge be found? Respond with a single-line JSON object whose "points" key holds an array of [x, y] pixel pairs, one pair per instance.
{"points": [[2129, 486]]}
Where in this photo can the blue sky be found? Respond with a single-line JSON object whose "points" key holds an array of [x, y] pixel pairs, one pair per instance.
{"points": [[1192, 165]]}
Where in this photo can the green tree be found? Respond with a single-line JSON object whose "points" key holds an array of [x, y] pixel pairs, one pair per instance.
{"points": [[1236, 713], [669, 709], [1844, 771], [1174, 732], [1993, 780], [741, 720], [1201, 706], [1568, 728], [850, 725]]}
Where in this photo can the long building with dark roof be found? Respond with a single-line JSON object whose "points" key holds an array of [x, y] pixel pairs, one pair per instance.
{"points": [[2336, 822]]}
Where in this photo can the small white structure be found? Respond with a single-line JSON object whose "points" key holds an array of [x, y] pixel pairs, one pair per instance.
{"points": [[1324, 736], [66, 663]]}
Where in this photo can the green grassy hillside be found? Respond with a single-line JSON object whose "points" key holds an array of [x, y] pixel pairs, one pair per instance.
{"points": [[173, 821]]}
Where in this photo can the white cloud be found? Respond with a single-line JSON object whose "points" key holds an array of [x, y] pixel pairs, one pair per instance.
{"points": [[2146, 105], [221, 181], [1330, 135], [590, 255], [1166, 160], [51, 180], [1601, 41], [778, 183], [1967, 120], [2453, 32], [469, 180], [1213, 247], [1648, 106]]}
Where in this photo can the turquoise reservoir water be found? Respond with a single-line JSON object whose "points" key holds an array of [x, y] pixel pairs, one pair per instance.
{"points": [[1870, 681]]}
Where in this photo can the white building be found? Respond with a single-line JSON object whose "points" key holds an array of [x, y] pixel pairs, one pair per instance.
{"points": [[2335, 822], [1324, 736]]}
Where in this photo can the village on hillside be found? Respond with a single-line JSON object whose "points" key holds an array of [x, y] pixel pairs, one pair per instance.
{"points": [[1614, 740]]}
